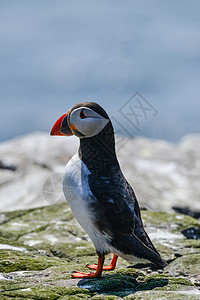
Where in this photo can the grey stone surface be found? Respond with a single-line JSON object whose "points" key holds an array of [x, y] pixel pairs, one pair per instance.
{"points": [[162, 174], [41, 243], [41, 247]]}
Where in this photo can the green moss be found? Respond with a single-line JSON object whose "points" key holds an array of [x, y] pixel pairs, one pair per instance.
{"points": [[176, 222], [122, 285], [167, 252], [113, 285], [171, 280], [75, 297], [162, 295], [180, 280], [105, 297], [54, 230], [44, 292], [192, 243], [13, 230], [8, 235], [70, 290], [15, 298], [9, 285], [11, 261], [5, 242], [170, 287], [35, 220], [10, 215], [130, 272], [32, 294], [163, 282], [72, 250], [185, 265]]}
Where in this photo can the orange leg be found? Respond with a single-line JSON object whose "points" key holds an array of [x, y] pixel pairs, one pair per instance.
{"points": [[105, 268], [97, 274]]}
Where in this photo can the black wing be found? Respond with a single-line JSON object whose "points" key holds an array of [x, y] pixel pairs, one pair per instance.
{"points": [[117, 213]]}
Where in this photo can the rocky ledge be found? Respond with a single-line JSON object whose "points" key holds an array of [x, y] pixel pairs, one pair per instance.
{"points": [[41, 247], [165, 176]]}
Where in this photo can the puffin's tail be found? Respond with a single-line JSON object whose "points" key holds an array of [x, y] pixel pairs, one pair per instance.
{"points": [[132, 245]]}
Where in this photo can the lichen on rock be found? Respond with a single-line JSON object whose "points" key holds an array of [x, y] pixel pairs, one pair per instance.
{"points": [[41, 247]]}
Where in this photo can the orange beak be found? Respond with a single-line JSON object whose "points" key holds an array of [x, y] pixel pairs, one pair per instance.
{"points": [[62, 126]]}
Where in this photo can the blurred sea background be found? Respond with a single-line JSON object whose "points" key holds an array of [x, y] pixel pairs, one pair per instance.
{"points": [[54, 54]]}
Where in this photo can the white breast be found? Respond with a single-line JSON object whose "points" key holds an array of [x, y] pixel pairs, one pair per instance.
{"points": [[78, 195]]}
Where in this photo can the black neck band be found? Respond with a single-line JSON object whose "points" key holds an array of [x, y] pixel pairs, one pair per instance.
{"points": [[98, 152]]}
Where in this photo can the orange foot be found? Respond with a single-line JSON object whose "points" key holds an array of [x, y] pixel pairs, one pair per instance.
{"points": [[84, 275], [105, 268], [97, 274]]}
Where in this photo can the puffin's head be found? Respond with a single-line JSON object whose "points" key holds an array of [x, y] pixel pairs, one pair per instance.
{"points": [[85, 119]]}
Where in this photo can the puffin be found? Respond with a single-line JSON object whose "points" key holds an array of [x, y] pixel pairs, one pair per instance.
{"points": [[97, 192]]}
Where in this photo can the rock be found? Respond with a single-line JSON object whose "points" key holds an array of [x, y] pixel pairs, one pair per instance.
{"points": [[41, 247], [36, 158], [163, 175], [192, 233], [41, 243], [187, 264], [187, 211], [190, 294]]}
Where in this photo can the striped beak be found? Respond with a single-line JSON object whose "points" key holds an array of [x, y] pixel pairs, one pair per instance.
{"points": [[62, 126]]}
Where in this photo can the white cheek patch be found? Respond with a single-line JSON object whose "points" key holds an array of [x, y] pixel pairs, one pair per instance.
{"points": [[89, 126]]}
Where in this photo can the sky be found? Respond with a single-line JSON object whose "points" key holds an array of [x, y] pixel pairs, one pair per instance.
{"points": [[140, 60]]}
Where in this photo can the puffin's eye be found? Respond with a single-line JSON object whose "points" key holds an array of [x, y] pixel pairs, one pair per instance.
{"points": [[82, 114]]}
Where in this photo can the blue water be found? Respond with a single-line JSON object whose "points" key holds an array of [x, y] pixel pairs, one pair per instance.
{"points": [[54, 54]]}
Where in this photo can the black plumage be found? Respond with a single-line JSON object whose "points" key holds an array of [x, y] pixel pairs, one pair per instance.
{"points": [[97, 192], [115, 205]]}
